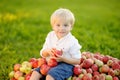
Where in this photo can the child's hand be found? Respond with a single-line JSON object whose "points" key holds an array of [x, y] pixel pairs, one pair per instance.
{"points": [[58, 57]]}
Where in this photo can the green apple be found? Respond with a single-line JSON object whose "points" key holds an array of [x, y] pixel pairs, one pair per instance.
{"points": [[99, 63], [108, 77], [28, 70], [11, 74], [21, 78], [22, 69]]}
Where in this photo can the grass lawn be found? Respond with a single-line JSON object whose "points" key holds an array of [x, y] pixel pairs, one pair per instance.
{"points": [[24, 25]]}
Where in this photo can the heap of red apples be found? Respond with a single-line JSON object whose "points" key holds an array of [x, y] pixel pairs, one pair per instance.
{"points": [[96, 67], [93, 66], [24, 70]]}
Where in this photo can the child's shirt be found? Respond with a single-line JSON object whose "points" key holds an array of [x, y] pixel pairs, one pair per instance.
{"points": [[69, 45]]}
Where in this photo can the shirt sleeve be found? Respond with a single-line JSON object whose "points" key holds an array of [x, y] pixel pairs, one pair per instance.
{"points": [[75, 50]]}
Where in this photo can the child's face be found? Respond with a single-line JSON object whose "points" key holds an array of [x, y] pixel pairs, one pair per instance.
{"points": [[61, 28]]}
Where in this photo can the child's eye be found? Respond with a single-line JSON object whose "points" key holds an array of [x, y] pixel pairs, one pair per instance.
{"points": [[58, 25], [65, 25]]}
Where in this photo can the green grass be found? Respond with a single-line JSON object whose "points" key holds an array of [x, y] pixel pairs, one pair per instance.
{"points": [[24, 25]]}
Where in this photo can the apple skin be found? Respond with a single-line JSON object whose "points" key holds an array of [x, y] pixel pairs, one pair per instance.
{"points": [[77, 70], [17, 67], [86, 77], [108, 77], [21, 78], [105, 59], [115, 78], [111, 72], [26, 64], [27, 77], [52, 62], [34, 62], [18, 74], [11, 74], [44, 69], [41, 61], [99, 62], [89, 70], [87, 63], [95, 77], [105, 69], [115, 65], [94, 67], [96, 73], [57, 52]]}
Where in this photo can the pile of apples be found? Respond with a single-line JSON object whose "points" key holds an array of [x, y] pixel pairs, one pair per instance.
{"points": [[93, 66], [24, 70], [96, 67]]}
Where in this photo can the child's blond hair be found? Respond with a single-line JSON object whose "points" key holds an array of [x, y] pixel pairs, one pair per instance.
{"points": [[62, 13]]}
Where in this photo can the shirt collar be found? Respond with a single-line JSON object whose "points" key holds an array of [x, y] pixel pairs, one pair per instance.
{"points": [[63, 37]]}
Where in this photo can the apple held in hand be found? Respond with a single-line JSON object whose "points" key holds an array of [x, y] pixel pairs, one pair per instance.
{"points": [[58, 52], [52, 62]]}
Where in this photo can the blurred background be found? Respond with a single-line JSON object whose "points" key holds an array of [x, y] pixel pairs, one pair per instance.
{"points": [[24, 25]]}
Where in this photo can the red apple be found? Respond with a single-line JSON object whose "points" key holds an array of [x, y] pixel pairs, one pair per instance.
{"points": [[17, 67], [105, 69], [105, 59], [95, 77], [111, 72], [41, 61], [34, 62], [27, 77], [115, 65], [94, 67], [87, 63], [86, 77], [44, 69], [77, 70], [102, 76], [57, 52], [115, 78], [89, 70], [52, 62], [96, 73]]}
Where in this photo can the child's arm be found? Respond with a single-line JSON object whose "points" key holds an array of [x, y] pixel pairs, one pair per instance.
{"points": [[72, 61]]}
